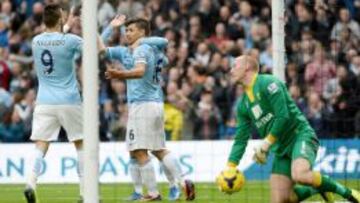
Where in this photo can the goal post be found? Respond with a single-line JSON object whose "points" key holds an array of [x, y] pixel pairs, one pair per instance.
{"points": [[278, 37], [90, 108]]}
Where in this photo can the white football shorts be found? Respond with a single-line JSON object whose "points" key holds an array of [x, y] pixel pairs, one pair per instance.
{"points": [[48, 119], [145, 127]]}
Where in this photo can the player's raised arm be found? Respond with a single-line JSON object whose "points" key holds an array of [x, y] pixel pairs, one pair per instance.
{"points": [[241, 138], [113, 53], [73, 18], [116, 23], [158, 42]]}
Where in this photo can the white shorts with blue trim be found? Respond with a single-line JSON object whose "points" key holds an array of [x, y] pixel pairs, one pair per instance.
{"points": [[145, 127], [48, 119]]}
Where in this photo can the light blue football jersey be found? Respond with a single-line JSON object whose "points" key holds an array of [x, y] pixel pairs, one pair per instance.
{"points": [[147, 88], [54, 55]]}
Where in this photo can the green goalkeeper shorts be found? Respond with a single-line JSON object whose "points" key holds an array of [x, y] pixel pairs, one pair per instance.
{"points": [[305, 146]]}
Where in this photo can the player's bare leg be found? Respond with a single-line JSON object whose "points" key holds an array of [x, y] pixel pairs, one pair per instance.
{"points": [[173, 173], [302, 192], [147, 173], [280, 188], [79, 149], [40, 150], [301, 173]]}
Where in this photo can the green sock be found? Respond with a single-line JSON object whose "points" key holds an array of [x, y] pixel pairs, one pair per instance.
{"points": [[330, 185], [303, 192]]}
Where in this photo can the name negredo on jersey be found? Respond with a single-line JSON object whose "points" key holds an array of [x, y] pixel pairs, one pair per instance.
{"points": [[54, 54], [51, 43]]}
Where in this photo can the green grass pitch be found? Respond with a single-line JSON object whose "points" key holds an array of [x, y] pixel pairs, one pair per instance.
{"points": [[253, 192]]}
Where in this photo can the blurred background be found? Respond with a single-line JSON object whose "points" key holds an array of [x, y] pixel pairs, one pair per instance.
{"points": [[322, 63]]}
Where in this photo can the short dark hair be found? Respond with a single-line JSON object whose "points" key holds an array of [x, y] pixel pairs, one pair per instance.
{"points": [[140, 23], [52, 15]]}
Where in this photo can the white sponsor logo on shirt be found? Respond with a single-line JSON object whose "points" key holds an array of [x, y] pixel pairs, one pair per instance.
{"points": [[256, 110], [273, 88]]}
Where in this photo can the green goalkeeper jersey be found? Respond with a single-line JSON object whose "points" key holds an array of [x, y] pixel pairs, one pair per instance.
{"points": [[267, 105]]}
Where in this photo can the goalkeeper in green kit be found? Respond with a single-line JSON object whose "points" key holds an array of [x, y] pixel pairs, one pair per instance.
{"points": [[267, 105]]}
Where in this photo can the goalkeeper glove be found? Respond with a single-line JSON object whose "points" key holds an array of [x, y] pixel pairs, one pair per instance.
{"points": [[261, 152]]}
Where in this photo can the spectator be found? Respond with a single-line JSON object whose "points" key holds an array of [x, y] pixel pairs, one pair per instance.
{"points": [[108, 121], [130, 8], [322, 26], [295, 94], [266, 60], [161, 25], [4, 32], [292, 75], [302, 22], [332, 89], [174, 76], [242, 21], [224, 14], [336, 52], [260, 34], [105, 13], [202, 55], [195, 35], [16, 72], [307, 50], [345, 21], [348, 39], [355, 65], [230, 125], [356, 104], [220, 37], [346, 105], [173, 115], [206, 124], [35, 21], [119, 88], [119, 131], [208, 14], [24, 110], [188, 108], [314, 113], [6, 9], [11, 127], [4, 75], [5, 98], [208, 118], [319, 71]]}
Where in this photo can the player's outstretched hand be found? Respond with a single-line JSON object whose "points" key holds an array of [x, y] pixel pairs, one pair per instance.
{"points": [[111, 74], [72, 19], [118, 21]]}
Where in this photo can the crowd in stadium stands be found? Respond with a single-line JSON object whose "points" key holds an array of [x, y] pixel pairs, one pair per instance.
{"points": [[322, 71]]}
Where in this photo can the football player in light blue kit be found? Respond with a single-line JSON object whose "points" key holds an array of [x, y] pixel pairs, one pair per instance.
{"points": [[58, 101], [145, 127]]}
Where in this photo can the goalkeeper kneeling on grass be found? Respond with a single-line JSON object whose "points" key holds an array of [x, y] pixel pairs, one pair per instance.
{"points": [[267, 105]]}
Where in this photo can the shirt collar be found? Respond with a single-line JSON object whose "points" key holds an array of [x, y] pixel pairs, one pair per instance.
{"points": [[251, 85]]}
